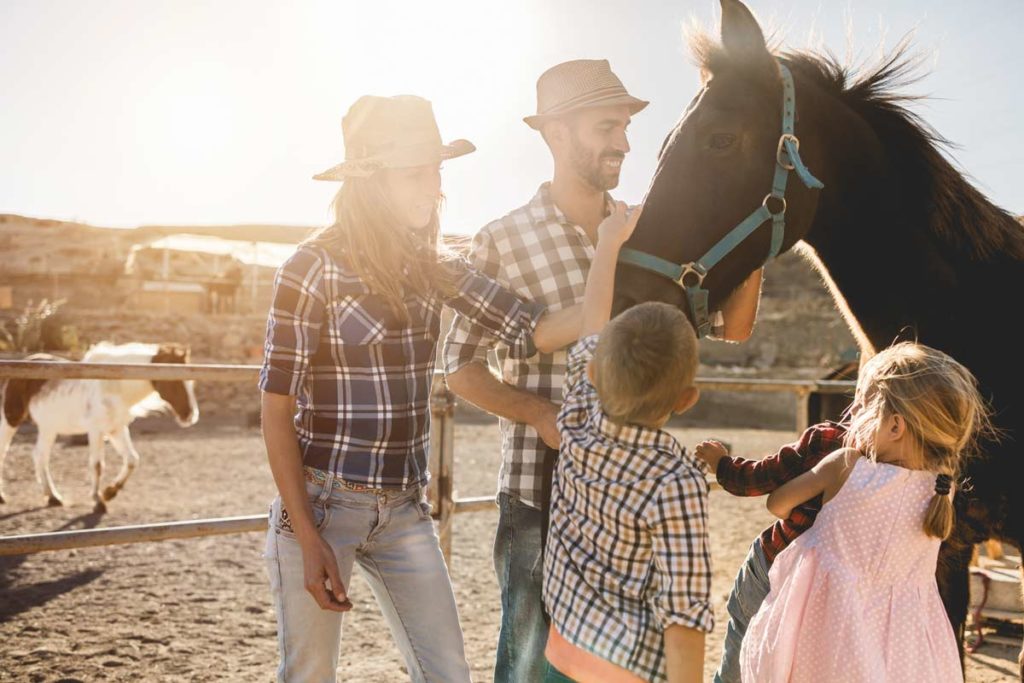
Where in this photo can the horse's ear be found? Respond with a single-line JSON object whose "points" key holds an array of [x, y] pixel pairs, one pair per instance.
{"points": [[741, 34]]}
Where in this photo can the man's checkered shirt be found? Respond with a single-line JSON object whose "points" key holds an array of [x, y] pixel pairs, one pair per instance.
{"points": [[360, 373], [538, 254], [627, 552]]}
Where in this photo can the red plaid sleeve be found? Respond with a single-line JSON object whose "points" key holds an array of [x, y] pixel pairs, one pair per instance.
{"points": [[742, 477]]}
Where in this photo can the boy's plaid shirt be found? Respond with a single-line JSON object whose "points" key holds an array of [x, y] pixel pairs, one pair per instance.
{"points": [[361, 375], [742, 477], [538, 254], [627, 552]]}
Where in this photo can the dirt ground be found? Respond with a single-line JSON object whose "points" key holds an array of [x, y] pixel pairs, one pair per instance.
{"points": [[200, 610]]}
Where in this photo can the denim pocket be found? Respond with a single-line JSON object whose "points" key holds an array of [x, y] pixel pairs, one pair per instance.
{"points": [[281, 522], [426, 510]]}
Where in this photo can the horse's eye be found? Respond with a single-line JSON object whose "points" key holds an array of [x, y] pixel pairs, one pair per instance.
{"points": [[721, 141]]}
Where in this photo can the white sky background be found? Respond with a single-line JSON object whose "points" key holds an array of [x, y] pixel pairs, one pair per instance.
{"points": [[129, 112]]}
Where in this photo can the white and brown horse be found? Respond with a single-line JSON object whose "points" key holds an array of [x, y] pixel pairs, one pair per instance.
{"points": [[102, 409]]}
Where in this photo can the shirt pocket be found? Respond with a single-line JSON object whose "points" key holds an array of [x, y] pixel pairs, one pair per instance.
{"points": [[362, 320]]}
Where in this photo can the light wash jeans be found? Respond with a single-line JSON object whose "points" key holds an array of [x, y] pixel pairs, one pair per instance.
{"points": [[748, 592], [391, 537], [519, 563]]}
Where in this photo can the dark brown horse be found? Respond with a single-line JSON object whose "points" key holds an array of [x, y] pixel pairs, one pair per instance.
{"points": [[908, 247]]}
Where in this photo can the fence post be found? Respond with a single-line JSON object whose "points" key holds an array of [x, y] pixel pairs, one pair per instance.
{"points": [[442, 460], [803, 397]]}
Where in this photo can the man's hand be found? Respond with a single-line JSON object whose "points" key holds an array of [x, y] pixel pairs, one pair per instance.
{"points": [[320, 568], [545, 424], [711, 452]]}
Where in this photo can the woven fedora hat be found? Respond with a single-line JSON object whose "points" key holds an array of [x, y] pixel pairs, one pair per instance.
{"points": [[391, 132], [577, 84]]}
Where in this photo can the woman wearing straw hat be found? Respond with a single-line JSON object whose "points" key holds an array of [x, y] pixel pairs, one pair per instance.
{"points": [[350, 350]]}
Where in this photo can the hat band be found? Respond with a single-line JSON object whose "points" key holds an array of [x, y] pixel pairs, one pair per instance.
{"points": [[586, 98], [405, 155]]}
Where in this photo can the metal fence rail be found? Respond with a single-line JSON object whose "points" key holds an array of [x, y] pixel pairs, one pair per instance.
{"points": [[442, 441]]}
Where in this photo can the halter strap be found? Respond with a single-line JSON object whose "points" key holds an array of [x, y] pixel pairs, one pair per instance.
{"points": [[690, 276]]}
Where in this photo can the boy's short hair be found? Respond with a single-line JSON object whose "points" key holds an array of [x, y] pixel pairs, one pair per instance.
{"points": [[646, 356]]}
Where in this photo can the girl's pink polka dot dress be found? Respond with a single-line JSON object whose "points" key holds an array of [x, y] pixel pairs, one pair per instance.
{"points": [[854, 599]]}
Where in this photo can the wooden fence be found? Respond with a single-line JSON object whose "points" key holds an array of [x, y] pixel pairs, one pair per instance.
{"points": [[442, 442]]}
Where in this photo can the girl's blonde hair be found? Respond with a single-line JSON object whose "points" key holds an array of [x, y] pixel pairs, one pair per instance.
{"points": [[938, 400], [392, 259]]}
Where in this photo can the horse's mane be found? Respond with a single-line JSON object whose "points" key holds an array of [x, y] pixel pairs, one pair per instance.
{"points": [[957, 212]]}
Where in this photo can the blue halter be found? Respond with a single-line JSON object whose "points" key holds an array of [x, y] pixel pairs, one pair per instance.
{"points": [[690, 276]]}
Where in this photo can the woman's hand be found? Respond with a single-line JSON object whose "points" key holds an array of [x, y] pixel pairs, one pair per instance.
{"points": [[320, 570]]}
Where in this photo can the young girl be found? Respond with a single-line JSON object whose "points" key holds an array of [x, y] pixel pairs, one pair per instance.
{"points": [[346, 380], [854, 598]]}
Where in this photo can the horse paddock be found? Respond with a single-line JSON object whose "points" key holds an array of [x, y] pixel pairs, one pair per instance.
{"points": [[199, 609]]}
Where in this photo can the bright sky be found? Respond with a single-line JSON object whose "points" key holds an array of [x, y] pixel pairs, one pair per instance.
{"points": [[129, 112]]}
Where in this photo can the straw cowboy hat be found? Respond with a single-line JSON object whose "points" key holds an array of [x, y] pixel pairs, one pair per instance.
{"points": [[391, 132], [577, 84]]}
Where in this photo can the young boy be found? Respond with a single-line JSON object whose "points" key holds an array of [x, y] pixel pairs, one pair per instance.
{"points": [[742, 477], [627, 569]]}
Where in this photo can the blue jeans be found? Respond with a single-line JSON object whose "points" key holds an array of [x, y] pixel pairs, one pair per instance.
{"points": [[519, 564], [748, 592], [553, 675], [390, 536]]}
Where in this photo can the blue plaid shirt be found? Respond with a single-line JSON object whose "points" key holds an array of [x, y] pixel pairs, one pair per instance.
{"points": [[360, 374]]}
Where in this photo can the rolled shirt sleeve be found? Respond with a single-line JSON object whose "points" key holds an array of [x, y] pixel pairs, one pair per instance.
{"points": [[485, 303], [293, 325], [468, 342], [681, 589]]}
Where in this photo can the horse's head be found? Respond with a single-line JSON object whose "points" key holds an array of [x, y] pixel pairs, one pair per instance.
{"points": [[718, 166], [178, 394]]}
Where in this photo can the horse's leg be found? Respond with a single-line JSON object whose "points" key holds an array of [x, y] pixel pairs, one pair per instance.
{"points": [[96, 448], [41, 458], [1020, 655], [122, 442], [6, 434], [954, 585]]}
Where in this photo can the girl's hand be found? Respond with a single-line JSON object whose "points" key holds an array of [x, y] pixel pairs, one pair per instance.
{"points": [[320, 569], [711, 452], [618, 226]]}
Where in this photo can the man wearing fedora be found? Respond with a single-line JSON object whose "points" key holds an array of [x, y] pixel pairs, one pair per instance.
{"points": [[542, 252]]}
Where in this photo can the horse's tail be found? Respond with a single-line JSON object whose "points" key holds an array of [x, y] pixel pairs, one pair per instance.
{"points": [[18, 393]]}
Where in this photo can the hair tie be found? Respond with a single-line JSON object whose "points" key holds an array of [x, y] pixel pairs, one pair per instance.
{"points": [[943, 484]]}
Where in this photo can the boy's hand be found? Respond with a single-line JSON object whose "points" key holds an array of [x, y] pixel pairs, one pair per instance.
{"points": [[618, 226], [711, 452]]}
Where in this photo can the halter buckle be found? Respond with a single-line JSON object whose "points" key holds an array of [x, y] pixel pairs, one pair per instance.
{"points": [[770, 196], [788, 165], [691, 269]]}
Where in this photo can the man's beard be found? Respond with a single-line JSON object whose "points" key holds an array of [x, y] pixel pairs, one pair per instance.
{"points": [[589, 167]]}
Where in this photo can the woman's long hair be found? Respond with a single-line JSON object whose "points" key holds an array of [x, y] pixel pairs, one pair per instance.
{"points": [[392, 259]]}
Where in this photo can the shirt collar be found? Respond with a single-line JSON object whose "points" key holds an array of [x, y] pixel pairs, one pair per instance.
{"points": [[637, 438], [544, 210]]}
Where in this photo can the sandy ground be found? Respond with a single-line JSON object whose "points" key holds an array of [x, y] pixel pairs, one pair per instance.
{"points": [[199, 609]]}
